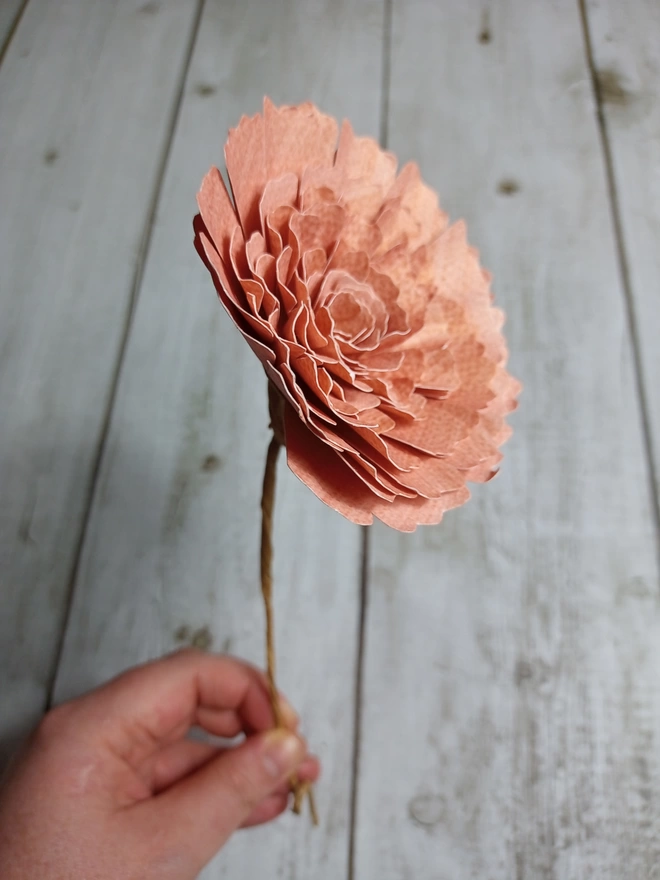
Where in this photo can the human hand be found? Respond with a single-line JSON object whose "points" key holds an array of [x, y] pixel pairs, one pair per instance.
{"points": [[109, 787]]}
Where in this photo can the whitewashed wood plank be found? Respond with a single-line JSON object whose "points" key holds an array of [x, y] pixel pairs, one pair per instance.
{"points": [[626, 52], [9, 12], [86, 91], [511, 724], [171, 552]]}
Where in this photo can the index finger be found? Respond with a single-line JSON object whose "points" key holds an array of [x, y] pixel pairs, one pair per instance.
{"points": [[156, 703]]}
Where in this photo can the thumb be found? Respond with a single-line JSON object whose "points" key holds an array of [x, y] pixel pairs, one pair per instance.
{"points": [[205, 808]]}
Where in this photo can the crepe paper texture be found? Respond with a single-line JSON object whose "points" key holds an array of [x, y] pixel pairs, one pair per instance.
{"points": [[371, 315]]}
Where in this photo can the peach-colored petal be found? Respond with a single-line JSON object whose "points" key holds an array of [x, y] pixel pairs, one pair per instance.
{"points": [[354, 263], [437, 430], [282, 192], [440, 372], [420, 217], [266, 146], [361, 158], [228, 288], [406, 514], [217, 211], [323, 471]]}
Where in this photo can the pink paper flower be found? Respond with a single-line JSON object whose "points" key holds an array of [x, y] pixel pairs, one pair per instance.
{"points": [[370, 314]]}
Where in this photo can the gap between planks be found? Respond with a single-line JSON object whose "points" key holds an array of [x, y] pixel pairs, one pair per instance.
{"points": [[624, 269], [386, 78], [359, 684], [11, 30], [130, 311]]}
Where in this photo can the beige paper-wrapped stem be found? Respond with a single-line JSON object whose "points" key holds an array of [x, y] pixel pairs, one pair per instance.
{"points": [[300, 789]]}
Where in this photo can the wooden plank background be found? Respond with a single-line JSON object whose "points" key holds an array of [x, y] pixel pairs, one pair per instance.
{"points": [[87, 89], [495, 680]]}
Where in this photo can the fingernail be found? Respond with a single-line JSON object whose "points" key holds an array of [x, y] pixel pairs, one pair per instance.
{"points": [[282, 752]]}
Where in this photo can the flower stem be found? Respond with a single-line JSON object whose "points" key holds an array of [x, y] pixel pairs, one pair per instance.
{"points": [[267, 503], [300, 789]]}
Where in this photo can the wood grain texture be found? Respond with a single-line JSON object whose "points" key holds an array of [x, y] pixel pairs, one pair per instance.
{"points": [[626, 52], [86, 89], [511, 724], [171, 551]]}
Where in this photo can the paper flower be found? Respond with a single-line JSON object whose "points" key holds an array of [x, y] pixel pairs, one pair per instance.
{"points": [[370, 314]]}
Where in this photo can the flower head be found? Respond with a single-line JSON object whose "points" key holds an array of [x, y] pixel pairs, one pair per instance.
{"points": [[370, 314]]}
